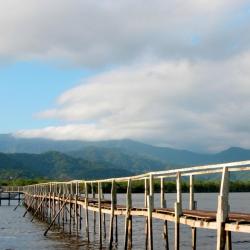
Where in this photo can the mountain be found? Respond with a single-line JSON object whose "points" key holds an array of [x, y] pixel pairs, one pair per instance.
{"points": [[125, 153], [232, 154], [55, 165], [11, 144], [116, 156]]}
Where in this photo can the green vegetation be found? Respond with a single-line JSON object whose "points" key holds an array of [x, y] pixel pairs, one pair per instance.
{"points": [[55, 165], [200, 186], [107, 159], [23, 182]]}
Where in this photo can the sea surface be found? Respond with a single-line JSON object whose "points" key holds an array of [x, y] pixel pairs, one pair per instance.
{"points": [[17, 232]]}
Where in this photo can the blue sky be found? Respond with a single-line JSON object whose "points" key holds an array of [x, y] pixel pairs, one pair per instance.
{"points": [[30, 87]]}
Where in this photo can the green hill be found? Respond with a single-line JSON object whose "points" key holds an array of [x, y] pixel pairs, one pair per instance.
{"points": [[55, 165]]}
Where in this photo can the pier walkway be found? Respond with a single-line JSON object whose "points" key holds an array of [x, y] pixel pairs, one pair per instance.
{"points": [[11, 194], [69, 203]]}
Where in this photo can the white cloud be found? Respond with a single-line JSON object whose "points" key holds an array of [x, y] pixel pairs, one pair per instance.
{"points": [[187, 83], [95, 33], [202, 105]]}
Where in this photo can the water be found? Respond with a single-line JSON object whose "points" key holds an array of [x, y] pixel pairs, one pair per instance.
{"points": [[17, 232]]}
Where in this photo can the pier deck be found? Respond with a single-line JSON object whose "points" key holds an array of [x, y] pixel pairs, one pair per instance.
{"points": [[58, 202]]}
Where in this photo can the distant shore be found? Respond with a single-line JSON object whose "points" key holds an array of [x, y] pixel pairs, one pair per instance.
{"points": [[200, 186]]}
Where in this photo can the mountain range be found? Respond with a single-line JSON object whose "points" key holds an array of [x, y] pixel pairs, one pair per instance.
{"points": [[84, 159]]}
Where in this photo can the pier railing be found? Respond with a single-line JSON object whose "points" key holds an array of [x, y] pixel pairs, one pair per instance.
{"points": [[89, 195], [14, 189]]}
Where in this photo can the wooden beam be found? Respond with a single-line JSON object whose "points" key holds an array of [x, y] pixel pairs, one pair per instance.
{"points": [[41, 203], [31, 203], [54, 219]]}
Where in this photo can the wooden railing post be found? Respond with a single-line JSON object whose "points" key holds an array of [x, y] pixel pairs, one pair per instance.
{"points": [[178, 210], [150, 206], [222, 210], [164, 205], [86, 210], [100, 213], [94, 213], [146, 205], [192, 206], [128, 219], [76, 208], [113, 206]]}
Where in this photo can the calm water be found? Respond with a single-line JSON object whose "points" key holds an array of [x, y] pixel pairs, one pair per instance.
{"points": [[17, 232]]}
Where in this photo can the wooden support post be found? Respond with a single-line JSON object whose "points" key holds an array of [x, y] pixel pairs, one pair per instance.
{"points": [[94, 213], [116, 230], [41, 203], [113, 206], [76, 213], [16, 207], [86, 211], [150, 224], [146, 205], [150, 205], [80, 217], [33, 199], [164, 205], [128, 218], [19, 197], [229, 240], [178, 211], [103, 217], [54, 205], [54, 219], [70, 213], [50, 208], [223, 209], [77, 208], [59, 206], [100, 213], [63, 212], [192, 207]]}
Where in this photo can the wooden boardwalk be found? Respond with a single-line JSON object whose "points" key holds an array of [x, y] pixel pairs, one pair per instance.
{"points": [[69, 203], [12, 194]]}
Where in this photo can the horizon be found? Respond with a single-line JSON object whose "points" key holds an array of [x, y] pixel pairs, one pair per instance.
{"points": [[169, 77]]}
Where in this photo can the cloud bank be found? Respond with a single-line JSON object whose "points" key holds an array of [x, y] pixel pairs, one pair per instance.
{"points": [[92, 33], [201, 105], [179, 69]]}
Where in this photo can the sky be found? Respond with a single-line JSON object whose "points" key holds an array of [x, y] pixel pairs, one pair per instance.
{"points": [[167, 72]]}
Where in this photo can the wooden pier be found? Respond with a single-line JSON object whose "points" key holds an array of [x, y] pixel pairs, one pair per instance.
{"points": [[10, 194], [69, 204]]}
